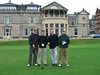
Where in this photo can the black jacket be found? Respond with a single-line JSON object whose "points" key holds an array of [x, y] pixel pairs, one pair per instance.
{"points": [[34, 39], [53, 40], [42, 40]]}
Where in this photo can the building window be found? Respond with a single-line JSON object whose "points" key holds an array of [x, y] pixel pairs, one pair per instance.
{"points": [[75, 31], [4, 32], [31, 31], [73, 22], [10, 32], [38, 31], [26, 31], [46, 13], [61, 13], [83, 25], [57, 31], [7, 20], [46, 25], [7, 32], [46, 32], [62, 25], [99, 30], [51, 25], [61, 31], [32, 20], [51, 13], [57, 25]]}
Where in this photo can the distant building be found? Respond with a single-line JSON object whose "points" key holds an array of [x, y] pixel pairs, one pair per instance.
{"points": [[97, 21], [18, 21], [92, 25], [78, 23]]}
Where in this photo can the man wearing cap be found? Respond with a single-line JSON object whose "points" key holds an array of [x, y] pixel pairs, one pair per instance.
{"points": [[33, 41], [63, 42]]}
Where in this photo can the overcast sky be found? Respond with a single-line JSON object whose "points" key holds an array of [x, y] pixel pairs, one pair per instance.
{"points": [[72, 5]]}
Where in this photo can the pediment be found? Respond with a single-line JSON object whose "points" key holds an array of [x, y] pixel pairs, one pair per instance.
{"points": [[54, 5]]}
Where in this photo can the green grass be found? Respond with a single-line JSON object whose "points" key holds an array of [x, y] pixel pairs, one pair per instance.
{"points": [[84, 59]]}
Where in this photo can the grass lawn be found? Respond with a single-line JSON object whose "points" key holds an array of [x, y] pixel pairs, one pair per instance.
{"points": [[84, 59]]}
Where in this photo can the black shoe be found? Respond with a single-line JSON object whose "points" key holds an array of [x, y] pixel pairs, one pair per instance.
{"points": [[38, 65], [56, 65], [53, 65], [46, 64]]}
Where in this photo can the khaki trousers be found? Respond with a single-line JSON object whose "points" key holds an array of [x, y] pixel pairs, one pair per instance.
{"points": [[63, 52], [42, 52]]}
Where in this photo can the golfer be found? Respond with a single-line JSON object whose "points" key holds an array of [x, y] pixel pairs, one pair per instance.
{"points": [[53, 44], [63, 42], [33, 41], [42, 48]]}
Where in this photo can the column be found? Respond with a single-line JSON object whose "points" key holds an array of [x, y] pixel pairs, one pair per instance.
{"points": [[59, 13], [63, 13], [48, 13], [48, 29], [67, 29], [54, 27], [53, 13], [59, 29]]}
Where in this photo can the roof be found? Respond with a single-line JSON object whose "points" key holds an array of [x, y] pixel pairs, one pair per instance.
{"points": [[54, 5], [8, 4], [82, 11], [32, 4]]}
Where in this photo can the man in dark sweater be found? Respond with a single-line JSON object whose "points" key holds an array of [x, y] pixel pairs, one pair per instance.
{"points": [[53, 44], [63, 42], [33, 41], [42, 48]]}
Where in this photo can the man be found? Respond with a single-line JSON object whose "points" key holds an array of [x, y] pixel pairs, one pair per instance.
{"points": [[53, 44], [63, 42], [42, 48], [33, 41]]}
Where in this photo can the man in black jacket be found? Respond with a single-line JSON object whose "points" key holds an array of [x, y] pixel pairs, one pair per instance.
{"points": [[42, 48], [53, 44], [33, 41]]}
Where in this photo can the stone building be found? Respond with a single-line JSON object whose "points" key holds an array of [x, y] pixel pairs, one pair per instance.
{"points": [[97, 21], [18, 21]]}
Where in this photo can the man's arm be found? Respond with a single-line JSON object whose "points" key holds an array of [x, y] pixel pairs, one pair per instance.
{"points": [[49, 40], [30, 41], [59, 40]]}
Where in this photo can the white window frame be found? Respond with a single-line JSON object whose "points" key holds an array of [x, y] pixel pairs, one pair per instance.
{"points": [[32, 20], [7, 20]]}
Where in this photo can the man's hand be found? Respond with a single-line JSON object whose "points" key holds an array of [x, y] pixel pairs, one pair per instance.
{"points": [[42, 45], [33, 46], [63, 42], [48, 43]]}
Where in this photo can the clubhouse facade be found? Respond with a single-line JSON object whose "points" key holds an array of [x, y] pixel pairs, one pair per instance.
{"points": [[18, 21]]}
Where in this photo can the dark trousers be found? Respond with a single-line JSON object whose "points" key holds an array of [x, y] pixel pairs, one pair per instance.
{"points": [[35, 52]]}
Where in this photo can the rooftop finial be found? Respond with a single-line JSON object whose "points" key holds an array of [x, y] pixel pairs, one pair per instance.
{"points": [[31, 2], [9, 1]]}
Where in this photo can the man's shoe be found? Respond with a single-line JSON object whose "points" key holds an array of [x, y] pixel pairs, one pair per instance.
{"points": [[28, 65], [35, 64], [53, 65], [46, 64], [60, 65], [56, 65], [38, 64], [67, 65]]}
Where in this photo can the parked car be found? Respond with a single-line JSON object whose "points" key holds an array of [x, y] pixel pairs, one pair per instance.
{"points": [[95, 35]]}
